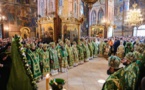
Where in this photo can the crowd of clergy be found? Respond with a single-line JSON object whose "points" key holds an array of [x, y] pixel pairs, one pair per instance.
{"points": [[53, 58], [126, 67]]}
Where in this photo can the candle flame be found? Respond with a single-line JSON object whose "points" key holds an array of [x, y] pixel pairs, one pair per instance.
{"points": [[47, 75]]}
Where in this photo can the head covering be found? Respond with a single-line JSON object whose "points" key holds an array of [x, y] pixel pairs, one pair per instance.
{"points": [[40, 44], [66, 40], [128, 44], [45, 45], [130, 57], [27, 45], [32, 45], [52, 43], [60, 42], [74, 42], [137, 55], [114, 62]]}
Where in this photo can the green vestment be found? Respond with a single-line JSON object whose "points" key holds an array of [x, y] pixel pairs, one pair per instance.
{"points": [[87, 51], [70, 56], [131, 76], [115, 81], [33, 58], [54, 58], [95, 50], [81, 52], [101, 48], [18, 80], [75, 54], [127, 50], [46, 62], [91, 48], [62, 54]]}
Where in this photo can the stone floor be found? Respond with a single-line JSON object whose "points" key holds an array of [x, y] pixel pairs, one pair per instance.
{"points": [[83, 77]]}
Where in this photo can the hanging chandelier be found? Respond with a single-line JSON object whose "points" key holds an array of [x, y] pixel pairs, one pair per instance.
{"points": [[134, 16], [89, 2]]}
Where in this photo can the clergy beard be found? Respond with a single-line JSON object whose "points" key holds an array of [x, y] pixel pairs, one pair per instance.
{"points": [[33, 50], [62, 48], [44, 50]]}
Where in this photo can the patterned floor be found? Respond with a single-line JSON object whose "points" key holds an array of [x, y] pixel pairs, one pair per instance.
{"points": [[88, 76]]}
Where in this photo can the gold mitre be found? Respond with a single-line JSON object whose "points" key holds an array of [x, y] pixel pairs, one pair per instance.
{"points": [[32, 45], [40, 44], [52, 43], [28, 45], [45, 45]]}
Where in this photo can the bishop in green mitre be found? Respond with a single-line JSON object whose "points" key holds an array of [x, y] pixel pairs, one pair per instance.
{"points": [[87, 51], [128, 47], [75, 54], [45, 60], [34, 62], [54, 63], [95, 45], [81, 52], [40, 52], [70, 54], [101, 48], [90, 45], [132, 72], [62, 54]]}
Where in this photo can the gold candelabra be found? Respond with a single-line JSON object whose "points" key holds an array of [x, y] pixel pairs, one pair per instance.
{"points": [[134, 16]]}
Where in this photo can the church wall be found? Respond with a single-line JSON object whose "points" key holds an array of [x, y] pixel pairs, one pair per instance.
{"points": [[118, 12], [120, 15], [19, 13], [96, 7]]}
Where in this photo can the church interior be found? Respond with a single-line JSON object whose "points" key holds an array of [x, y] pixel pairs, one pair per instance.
{"points": [[72, 44]]}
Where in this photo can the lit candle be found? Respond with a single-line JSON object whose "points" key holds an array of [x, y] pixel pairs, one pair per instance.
{"points": [[47, 81]]}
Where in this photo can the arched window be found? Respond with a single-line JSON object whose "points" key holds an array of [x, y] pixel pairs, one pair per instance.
{"points": [[140, 31], [81, 8], [93, 17], [75, 7], [60, 2], [100, 15]]}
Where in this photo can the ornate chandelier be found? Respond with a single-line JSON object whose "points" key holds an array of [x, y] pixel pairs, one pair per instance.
{"points": [[89, 2], [134, 16]]}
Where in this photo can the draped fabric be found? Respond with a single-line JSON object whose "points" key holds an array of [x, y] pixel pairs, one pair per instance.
{"points": [[91, 48], [33, 57], [75, 54], [18, 78], [128, 48], [46, 62], [120, 51], [86, 51], [81, 52], [70, 56], [101, 48], [54, 58], [131, 76], [62, 54], [125, 78], [115, 81], [95, 51]]}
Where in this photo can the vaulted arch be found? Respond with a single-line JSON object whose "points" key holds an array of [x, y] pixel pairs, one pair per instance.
{"points": [[93, 17], [100, 15]]}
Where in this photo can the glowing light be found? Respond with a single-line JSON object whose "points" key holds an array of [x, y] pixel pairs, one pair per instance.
{"points": [[101, 81], [134, 16]]}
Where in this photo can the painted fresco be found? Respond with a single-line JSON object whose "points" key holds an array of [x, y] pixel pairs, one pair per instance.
{"points": [[20, 15]]}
